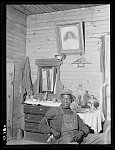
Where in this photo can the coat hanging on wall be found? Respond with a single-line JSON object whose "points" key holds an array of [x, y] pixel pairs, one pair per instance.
{"points": [[26, 82]]}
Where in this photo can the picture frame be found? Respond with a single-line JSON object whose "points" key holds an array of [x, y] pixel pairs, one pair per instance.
{"points": [[70, 38]]}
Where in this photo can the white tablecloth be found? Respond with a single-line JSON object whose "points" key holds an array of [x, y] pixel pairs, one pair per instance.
{"points": [[93, 119], [43, 103]]}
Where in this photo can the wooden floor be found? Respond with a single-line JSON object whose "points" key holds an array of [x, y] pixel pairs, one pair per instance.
{"points": [[22, 142]]}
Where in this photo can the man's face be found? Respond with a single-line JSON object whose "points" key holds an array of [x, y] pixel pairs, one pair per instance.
{"points": [[66, 100]]}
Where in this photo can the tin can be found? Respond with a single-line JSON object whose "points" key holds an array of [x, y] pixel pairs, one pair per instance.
{"points": [[20, 133]]}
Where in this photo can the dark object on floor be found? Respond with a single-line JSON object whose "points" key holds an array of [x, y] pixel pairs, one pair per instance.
{"points": [[20, 133]]}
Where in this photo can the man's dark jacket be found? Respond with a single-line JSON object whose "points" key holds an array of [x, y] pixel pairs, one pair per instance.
{"points": [[53, 119]]}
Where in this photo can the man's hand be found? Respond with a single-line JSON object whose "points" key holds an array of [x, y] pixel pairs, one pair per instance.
{"points": [[78, 136], [55, 133]]}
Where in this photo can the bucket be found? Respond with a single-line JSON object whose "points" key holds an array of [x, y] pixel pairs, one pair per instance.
{"points": [[20, 133]]}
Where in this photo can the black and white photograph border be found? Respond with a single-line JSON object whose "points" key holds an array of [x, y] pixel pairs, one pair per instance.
{"points": [[36, 33]]}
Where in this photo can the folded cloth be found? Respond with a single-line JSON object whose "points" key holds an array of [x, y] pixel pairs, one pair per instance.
{"points": [[107, 135]]}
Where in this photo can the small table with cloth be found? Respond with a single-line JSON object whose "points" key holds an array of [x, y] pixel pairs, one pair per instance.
{"points": [[93, 119]]}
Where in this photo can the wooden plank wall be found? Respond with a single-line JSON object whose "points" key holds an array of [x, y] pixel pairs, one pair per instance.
{"points": [[16, 51], [41, 43]]}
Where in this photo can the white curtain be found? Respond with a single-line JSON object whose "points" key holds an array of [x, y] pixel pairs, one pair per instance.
{"points": [[105, 88], [107, 73]]}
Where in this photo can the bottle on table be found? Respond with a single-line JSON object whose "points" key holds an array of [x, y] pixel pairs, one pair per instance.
{"points": [[80, 92], [86, 97]]}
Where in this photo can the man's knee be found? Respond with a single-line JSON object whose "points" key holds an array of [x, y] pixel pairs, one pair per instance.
{"points": [[94, 139]]}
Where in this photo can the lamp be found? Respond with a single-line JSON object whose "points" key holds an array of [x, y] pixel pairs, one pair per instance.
{"points": [[60, 57]]}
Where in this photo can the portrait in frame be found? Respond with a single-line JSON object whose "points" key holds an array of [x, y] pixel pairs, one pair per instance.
{"points": [[70, 38]]}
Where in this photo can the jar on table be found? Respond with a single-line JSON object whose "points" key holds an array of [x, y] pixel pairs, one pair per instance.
{"points": [[92, 107], [86, 97]]}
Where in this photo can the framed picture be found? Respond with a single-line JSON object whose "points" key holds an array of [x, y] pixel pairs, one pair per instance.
{"points": [[70, 38]]}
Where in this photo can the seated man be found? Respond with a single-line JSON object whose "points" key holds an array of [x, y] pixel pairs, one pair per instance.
{"points": [[64, 125]]}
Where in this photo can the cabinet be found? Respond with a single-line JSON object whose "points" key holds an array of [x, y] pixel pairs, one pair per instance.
{"points": [[33, 115], [48, 80]]}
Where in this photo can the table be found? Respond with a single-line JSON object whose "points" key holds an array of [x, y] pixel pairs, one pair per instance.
{"points": [[93, 119]]}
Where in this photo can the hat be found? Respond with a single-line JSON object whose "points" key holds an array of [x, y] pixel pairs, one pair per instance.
{"points": [[68, 92]]}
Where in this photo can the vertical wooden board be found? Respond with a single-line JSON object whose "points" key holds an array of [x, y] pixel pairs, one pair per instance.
{"points": [[10, 78], [16, 49]]}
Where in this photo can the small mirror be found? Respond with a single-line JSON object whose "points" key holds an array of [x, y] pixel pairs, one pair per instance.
{"points": [[48, 79]]}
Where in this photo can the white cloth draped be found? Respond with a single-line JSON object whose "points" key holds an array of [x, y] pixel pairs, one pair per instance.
{"points": [[93, 119], [43, 103]]}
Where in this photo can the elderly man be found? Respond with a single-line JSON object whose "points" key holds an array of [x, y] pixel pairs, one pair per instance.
{"points": [[65, 126]]}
